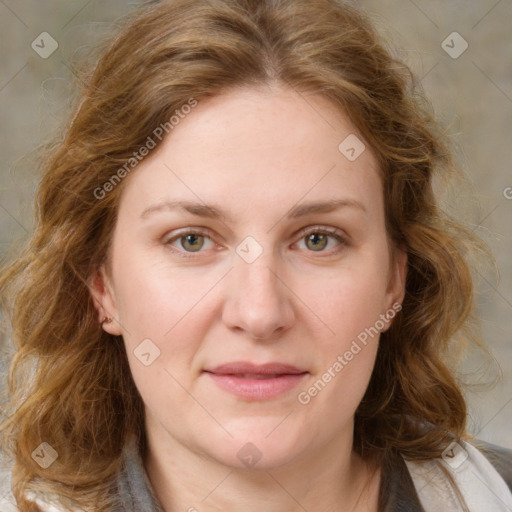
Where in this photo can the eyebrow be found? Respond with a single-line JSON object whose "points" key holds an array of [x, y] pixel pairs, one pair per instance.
{"points": [[324, 207], [214, 212], [198, 209]]}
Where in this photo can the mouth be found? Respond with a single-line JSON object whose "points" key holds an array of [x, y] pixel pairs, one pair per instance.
{"points": [[256, 382]]}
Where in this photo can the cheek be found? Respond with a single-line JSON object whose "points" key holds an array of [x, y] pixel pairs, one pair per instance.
{"points": [[162, 318], [163, 329], [346, 300], [346, 349], [348, 304], [153, 300]]}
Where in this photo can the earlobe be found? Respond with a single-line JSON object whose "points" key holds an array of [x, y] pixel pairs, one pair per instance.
{"points": [[104, 302]]}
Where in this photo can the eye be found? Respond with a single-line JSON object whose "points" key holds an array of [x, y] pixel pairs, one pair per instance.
{"points": [[318, 239], [190, 241]]}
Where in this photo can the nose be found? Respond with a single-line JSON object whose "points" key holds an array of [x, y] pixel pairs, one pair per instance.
{"points": [[258, 301]]}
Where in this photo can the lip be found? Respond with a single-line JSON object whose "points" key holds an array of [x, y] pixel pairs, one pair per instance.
{"points": [[256, 382]]}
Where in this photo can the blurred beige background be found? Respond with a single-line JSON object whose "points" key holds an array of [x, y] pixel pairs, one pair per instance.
{"points": [[467, 76]]}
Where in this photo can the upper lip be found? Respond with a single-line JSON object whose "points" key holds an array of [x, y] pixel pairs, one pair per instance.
{"points": [[242, 367]]}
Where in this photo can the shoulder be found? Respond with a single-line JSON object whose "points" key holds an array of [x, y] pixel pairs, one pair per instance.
{"points": [[499, 457], [479, 472]]}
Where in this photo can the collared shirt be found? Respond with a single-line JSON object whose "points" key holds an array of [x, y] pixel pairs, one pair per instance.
{"points": [[481, 471]]}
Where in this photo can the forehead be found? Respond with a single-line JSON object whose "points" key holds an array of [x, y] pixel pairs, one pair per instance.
{"points": [[265, 147]]}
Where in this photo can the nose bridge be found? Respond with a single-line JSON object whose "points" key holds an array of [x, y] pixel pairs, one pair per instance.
{"points": [[258, 282], [256, 263]]}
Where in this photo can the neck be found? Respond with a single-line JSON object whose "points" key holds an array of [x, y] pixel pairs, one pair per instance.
{"points": [[331, 479]]}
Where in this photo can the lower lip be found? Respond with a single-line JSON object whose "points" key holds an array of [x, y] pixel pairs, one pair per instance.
{"points": [[256, 389]]}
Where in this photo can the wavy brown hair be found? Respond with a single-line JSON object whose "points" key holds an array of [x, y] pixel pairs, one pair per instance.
{"points": [[69, 381]]}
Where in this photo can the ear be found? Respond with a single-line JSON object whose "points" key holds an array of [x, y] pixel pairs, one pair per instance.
{"points": [[104, 300], [395, 292]]}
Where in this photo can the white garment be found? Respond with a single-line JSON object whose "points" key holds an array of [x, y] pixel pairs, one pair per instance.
{"points": [[482, 487]]}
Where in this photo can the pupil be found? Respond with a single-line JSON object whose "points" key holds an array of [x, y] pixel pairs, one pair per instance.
{"points": [[318, 240], [191, 241]]}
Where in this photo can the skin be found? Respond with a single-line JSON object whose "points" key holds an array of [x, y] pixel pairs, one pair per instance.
{"points": [[255, 153]]}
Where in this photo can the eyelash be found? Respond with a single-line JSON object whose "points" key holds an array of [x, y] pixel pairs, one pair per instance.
{"points": [[331, 232]]}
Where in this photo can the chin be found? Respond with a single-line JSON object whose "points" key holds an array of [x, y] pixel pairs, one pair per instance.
{"points": [[258, 448]]}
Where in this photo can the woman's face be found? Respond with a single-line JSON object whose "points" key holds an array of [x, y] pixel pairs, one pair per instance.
{"points": [[250, 274]]}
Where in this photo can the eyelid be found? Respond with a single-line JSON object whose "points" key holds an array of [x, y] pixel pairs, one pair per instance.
{"points": [[187, 231], [322, 230]]}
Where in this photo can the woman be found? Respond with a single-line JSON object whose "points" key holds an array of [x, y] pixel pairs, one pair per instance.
{"points": [[241, 293]]}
